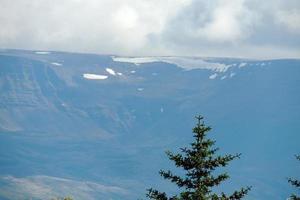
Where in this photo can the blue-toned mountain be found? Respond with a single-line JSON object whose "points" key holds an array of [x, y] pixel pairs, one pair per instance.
{"points": [[96, 126]]}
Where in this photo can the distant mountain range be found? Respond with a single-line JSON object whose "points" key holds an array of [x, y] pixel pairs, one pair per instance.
{"points": [[96, 126]]}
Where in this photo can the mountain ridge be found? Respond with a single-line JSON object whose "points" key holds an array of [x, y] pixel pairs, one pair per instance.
{"points": [[55, 122]]}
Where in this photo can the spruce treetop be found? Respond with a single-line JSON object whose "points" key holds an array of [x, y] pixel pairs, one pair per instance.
{"points": [[295, 183], [199, 162]]}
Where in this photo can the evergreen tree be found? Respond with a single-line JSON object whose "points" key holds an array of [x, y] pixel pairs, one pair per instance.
{"points": [[199, 162], [295, 183]]}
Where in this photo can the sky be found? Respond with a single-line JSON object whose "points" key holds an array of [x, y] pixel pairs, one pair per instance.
{"points": [[218, 28]]}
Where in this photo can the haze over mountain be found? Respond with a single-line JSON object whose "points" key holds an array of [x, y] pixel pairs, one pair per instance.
{"points": [[96, 126]]}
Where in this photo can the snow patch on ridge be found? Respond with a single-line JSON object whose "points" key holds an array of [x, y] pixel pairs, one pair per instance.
{"points": [[183, 62], [242, 64], [110, 71], [56, 64], [223, 77], [95, 76], [42, 52], [213, 76]]}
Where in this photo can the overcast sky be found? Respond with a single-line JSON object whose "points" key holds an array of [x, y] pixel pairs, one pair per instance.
{"points": [[236, 28]]}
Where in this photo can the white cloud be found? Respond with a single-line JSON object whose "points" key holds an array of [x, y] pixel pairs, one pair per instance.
{"points": [[153, 27], [291, 19], [230, 22], [126, 17]]}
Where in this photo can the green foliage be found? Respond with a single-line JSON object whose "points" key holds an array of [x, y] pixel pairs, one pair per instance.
{"points": [[295, 183], [199, 162]]}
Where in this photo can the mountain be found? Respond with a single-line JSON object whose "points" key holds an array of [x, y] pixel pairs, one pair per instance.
{"points": [[96, 126]]}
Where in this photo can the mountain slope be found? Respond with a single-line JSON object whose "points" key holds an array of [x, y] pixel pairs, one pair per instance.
{"points": [[101, 123]]}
